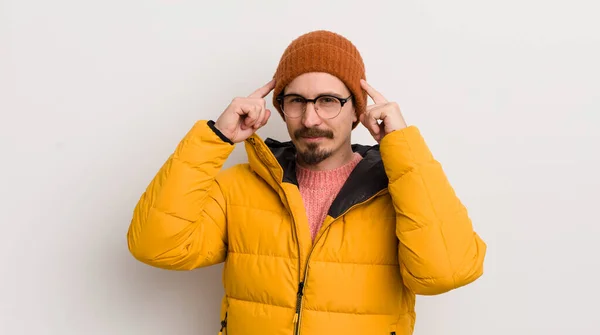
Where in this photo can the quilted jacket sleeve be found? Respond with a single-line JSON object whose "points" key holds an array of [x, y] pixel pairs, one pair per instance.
{"points": [[179, 222], [438, 249]]}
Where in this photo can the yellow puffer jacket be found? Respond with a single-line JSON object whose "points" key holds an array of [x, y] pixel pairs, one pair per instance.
{"points": [[396, 229]]}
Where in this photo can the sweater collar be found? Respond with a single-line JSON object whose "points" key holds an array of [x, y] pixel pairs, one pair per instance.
{"points": [[317, 179]]}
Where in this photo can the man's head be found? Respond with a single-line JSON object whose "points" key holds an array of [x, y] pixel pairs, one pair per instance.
{"points": [[327, 67]]}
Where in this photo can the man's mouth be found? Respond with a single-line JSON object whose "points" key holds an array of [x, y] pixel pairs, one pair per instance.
{"points": [[313, 138]]}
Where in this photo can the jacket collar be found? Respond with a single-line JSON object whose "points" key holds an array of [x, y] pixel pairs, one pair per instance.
{"points": [[275, 162]]}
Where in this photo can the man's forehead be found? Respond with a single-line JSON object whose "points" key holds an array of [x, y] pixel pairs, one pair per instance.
{"points": [[316, 84]]}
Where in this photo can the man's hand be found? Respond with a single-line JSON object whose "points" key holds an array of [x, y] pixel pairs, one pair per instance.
{"points": [[387, 112], [244, 116]]}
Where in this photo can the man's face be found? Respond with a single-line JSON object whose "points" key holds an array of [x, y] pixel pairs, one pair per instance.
{"points": [[318, 138]]}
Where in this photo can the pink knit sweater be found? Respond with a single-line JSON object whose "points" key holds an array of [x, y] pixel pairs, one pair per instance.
{"points": [[319, 189]]}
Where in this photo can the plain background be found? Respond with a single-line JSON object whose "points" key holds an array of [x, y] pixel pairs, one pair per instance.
{"points": [[95, 95]]}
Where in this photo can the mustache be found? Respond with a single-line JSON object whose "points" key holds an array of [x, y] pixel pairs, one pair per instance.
{"points": [[313, 132]]}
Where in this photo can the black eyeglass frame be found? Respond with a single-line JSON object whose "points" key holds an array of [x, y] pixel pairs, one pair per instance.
{"points": [[342, 101]]}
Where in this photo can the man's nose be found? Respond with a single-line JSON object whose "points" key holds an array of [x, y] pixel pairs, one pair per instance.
{"points": [[310, 117]]}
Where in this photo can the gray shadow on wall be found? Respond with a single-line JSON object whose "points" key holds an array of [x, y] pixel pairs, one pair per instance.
{"points": [[189, 299], [149, 300]]}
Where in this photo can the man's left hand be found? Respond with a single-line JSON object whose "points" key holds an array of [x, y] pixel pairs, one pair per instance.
{"points": [[387, 112]]}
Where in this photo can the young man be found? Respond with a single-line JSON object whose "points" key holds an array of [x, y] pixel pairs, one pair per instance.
{"points": [[318, 236]]}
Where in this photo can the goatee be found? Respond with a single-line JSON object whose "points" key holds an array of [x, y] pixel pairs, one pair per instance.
{"points": [[313, 155]]}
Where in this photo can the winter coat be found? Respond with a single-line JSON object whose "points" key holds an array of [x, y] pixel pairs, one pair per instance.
{"points": [[395, 230]]}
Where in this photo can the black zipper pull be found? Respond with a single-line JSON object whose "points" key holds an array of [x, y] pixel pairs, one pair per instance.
{"points": [[299, 301], [223, 324]]}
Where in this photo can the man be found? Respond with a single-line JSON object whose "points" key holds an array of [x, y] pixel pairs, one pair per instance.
{"points": [[318, 236]]}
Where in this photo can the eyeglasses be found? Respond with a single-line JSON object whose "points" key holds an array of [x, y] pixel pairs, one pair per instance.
{"points": [[327, 106]]}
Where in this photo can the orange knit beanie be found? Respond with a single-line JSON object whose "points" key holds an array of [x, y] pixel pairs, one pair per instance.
{"points": [[322, 51]]}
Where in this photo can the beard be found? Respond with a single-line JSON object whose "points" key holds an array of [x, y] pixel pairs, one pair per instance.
{"points": [[313, 154]]}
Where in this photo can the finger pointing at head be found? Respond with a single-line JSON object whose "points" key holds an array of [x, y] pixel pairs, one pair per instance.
{"points": [[263, 91], [377, 97]]}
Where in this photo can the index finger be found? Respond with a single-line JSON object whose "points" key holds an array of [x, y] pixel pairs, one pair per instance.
{"points": [[263, 91], [377, 97]]}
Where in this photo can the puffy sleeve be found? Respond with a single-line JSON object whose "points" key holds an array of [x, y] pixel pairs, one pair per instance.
{"points": [[179, 222], [438, 248]]}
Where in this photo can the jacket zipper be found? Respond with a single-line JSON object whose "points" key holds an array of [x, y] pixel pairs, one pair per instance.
{"points": [[223, 324], [298, 315], [298, 307]]}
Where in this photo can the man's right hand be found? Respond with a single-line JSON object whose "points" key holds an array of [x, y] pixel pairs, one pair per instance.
{"points": [[244, 116]]}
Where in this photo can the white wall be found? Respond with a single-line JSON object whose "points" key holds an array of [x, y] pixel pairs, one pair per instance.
{"points": [[95, 95]]}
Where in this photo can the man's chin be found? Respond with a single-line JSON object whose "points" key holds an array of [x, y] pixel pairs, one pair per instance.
{"points": [[310, 147], [313, 155]]}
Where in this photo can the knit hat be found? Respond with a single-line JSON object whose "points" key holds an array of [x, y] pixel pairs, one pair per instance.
{"points": [[322, 51]]}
